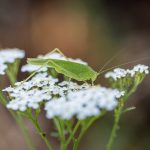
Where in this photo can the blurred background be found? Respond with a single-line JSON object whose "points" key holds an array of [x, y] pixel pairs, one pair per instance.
{"points": [[94, 30]]}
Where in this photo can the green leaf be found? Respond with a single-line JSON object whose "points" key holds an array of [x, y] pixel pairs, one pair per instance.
{"points": [[129, 109], [70, 69]]}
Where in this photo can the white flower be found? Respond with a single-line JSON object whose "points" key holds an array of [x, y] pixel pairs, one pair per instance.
{"points": [[116, 74], [83, 103], [121, 73], [141, 68], [40, 88], [62, 99], [55, 55], [9, 56]]}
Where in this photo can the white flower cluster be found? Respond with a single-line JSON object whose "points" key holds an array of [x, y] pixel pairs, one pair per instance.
{"points": [[84, 103], [139, 69], [116, 74], [40, 88], [120, 73], [8, 56], [55, 55]]}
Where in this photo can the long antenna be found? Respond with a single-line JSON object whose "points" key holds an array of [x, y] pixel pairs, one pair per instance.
{"points": [[123, 64], [110, 60]]}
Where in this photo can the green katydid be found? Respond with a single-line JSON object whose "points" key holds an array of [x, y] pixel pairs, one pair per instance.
{"points": [[73, 70]]}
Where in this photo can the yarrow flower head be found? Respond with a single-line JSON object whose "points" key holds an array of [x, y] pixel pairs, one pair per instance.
{"points": [[140, 69], [64, 99], [42, 87], [119, 73], [8, 56], [83, 103], [54, 55], [126, 79], [116, 73]]}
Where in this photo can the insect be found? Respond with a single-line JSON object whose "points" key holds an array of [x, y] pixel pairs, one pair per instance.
{"points": [[72, 70]]}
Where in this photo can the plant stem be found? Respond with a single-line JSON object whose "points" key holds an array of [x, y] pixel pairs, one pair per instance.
{"points": [[41, 133], [60, 127], [63, 146], [20, 122], [25, 131], [2, 98], [73, 132], [84, 129], [118, 113], [12, 78], [12, 75]]}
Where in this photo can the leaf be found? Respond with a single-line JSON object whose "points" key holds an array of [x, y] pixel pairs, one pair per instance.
{"points": [[129, 109], [70, 69]]}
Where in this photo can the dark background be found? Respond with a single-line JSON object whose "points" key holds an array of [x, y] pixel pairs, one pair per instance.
{"points": [[94, 30]]}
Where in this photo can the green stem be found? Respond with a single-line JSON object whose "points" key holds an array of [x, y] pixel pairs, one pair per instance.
{"points": [[20, 122], [60, 127], [75, 145], [41, 133], [12, 78], [84, 129], [25, 131], [12, 75], [118, 113], [63, 145], [2, 98], [73, 133]]}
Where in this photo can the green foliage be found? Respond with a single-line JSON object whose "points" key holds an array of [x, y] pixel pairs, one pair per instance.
{"points": [[73, 70]]}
